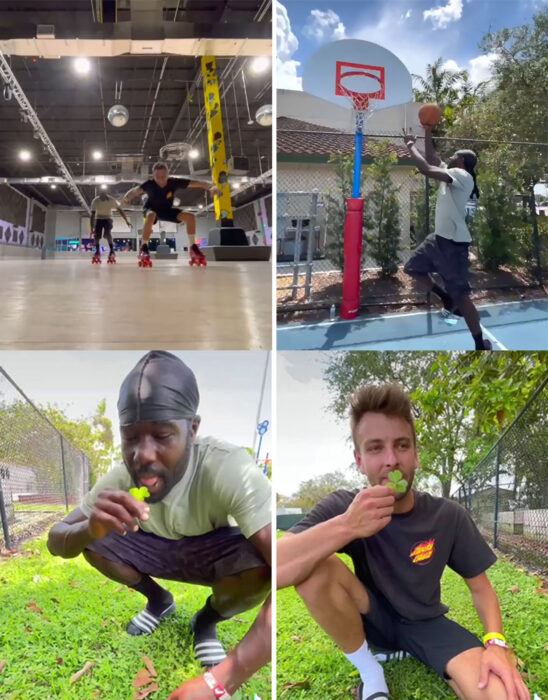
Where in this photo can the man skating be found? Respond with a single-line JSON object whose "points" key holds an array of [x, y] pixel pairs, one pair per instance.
{"points": [[160, 191], [101, 224]]}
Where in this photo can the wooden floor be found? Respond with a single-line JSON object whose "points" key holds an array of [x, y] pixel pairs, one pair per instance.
{"points": [[71, 304]]}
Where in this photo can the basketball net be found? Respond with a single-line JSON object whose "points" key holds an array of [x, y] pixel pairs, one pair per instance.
{"points": [[361, 106], [177, 151]]}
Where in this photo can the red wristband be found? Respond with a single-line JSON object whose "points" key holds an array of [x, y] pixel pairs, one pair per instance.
{"points": [[496, 643], [218, 690]]}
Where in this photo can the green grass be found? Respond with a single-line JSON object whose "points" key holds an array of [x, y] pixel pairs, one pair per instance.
{"points": [[42, 657], [331, 677], [39, 508]]}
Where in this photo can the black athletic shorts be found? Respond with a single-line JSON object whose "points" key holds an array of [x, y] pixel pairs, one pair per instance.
{"points": [[202, 560], [102, 227], [434, 642], [446, 257], [165, 214]]}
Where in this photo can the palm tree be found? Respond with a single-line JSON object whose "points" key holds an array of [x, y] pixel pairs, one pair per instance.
{"points": [[441, 86]]}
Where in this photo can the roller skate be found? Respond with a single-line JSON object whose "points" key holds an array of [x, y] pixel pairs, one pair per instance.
{"points": [[111, 258], [197, 258], [96, 259], [144, 257]]}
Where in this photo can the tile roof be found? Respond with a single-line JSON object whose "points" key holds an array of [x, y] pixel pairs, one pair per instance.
{"points": [[295, 137]]}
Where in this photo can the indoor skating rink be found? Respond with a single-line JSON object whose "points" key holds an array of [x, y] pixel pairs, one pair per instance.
{"points": [[88, 106], [69, 303]]}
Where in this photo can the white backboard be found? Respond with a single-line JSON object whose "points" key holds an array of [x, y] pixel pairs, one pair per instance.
{"points": [[360, 66]]}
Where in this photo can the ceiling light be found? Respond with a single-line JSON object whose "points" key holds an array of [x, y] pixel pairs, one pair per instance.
{"points": [[193, 153], [82, 65], [53, 187], [236, 186], [97, 155], [103, 187], [260, 64], [200, 206], [25, 155], [7, 92]]}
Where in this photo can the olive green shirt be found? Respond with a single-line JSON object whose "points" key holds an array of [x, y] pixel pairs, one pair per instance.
{"points": [[222, 486]]}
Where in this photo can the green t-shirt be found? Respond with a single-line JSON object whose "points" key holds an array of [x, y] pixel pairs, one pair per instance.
{"points": [[221, 487]]}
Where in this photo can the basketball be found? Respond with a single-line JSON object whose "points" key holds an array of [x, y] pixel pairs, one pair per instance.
{"points": [[429, 114]]}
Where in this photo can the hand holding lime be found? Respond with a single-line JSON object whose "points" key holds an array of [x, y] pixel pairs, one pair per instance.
{"points": [[396, 482]]}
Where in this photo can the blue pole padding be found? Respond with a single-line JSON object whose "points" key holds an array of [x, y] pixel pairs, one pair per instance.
{"points": [[358, 141]]}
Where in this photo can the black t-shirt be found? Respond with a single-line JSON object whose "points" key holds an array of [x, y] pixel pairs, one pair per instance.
{"points": [[159, 198], [405, 561]]}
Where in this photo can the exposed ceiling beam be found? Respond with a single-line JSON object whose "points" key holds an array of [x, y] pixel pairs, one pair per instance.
{"points": [[11, 81], [88, 38]]}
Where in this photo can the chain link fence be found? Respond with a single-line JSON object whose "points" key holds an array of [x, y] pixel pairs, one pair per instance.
{"points": [[41, 473], [507, 494], [309, 231]]}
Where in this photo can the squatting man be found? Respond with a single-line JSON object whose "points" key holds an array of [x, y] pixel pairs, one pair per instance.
{"points": [[400, 544], [182, 531]]}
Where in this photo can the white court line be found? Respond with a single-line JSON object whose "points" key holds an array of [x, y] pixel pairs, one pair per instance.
{"points": [[492, 337]]}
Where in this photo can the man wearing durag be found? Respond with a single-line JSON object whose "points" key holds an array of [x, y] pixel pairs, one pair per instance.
{"points": [[184, 530]]}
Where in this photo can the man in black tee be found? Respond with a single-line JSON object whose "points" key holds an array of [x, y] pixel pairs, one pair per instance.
{"points": [[160, 191], [400, 543]]}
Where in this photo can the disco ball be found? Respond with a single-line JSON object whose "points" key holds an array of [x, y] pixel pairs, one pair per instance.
{"points": [[263, 115], [118, 115]]}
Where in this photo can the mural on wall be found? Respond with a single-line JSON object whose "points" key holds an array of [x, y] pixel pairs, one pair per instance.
{"points": [[14, 215]]}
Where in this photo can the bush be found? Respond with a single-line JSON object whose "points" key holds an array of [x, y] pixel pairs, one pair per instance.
{"points": [[382, 212], [496, 229]]}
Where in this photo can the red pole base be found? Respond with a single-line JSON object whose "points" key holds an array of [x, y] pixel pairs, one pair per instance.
{"points": [[352, 258]]}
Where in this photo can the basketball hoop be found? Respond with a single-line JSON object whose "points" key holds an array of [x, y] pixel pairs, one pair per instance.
{"points": [[177, 150], [359, 74]]}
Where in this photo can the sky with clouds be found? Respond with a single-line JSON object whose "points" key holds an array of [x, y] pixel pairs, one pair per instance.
{"points": [[417, 31], [229, 383]]}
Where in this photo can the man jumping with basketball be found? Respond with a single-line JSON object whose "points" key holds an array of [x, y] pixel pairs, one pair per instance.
{"points": [[446, 250], [101, 224], [159, 207]]}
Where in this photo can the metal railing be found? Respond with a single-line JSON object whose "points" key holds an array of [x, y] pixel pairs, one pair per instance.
{"points": [[41, 473], [507, 493]]}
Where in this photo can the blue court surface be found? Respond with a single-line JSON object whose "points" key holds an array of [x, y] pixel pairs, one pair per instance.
{"points": [[515, 325]]}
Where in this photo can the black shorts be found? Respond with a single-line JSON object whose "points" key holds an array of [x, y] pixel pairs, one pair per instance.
{"points": [[446, 257], [202, 560], [102, 227], [170, 214], [434, 642]]}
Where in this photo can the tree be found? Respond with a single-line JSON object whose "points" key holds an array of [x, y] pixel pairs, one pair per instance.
{"points": [[418, 211], [93, 435], [461, 400], [382, 211], [496, 228], [313, 490], [335, 207], [515, 110], [446, 88]]}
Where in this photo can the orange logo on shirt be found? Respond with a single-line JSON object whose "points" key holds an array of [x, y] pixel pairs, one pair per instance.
{"points": [[422, 552], [169, 195]]}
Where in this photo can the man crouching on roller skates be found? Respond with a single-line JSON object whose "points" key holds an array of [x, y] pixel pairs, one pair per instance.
{"points": [[159, 207]]}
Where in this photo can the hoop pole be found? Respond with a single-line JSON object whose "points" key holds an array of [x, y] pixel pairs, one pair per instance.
{"points": [[352, 258], [358, 143]]}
